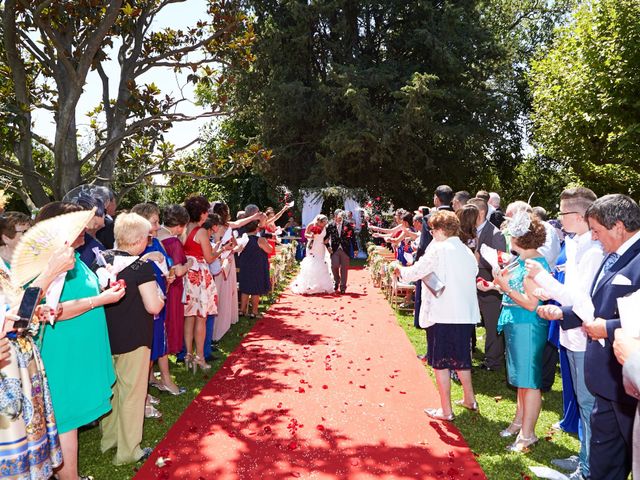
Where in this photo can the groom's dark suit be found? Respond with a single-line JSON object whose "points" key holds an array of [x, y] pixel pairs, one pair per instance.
{"points": [[342, 239]]}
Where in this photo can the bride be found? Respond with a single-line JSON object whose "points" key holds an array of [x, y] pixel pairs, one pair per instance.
{"points": [[315, 270]]}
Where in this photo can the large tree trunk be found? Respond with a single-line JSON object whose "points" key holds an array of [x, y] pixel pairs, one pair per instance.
{"points": [[23, 148]]}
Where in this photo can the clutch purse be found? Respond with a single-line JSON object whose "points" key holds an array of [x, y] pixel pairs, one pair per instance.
{"points": [[434, 284]]}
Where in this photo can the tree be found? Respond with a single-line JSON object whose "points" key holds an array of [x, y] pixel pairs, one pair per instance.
{"points": [[50, 46], [585, 89], [395, 97]]}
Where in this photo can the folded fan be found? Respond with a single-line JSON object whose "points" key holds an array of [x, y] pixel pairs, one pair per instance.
{"points": [[40, 242]]}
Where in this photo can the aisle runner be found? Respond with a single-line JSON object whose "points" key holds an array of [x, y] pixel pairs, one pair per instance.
{"points": [[324, 387]]}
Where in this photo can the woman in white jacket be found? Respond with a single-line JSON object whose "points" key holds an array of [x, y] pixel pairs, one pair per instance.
{"points": [[450, 318]]}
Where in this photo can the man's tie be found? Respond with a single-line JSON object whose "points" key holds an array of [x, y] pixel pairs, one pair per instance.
{"points": [[609, 261]]}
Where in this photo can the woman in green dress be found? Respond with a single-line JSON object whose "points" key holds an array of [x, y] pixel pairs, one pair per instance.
{"points": [[76, 352], [525, 333]]}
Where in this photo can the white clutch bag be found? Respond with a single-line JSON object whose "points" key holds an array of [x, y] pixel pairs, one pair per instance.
{"points": [[434, 284]]}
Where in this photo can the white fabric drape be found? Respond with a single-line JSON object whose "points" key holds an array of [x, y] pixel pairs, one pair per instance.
{"points": [[311, 206], [350, 205]]}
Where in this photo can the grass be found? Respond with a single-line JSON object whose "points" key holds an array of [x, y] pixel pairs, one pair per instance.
{"points": [[497, 404], [93, 462]]}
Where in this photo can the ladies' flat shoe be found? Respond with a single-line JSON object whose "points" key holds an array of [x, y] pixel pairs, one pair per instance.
{"points": [[522, 444], [173, 391], [152, 400], [511, 430], [473, 407], [437, 414]]}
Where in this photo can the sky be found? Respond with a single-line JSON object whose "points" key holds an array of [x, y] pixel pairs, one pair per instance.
{"points": [[174, 15]]}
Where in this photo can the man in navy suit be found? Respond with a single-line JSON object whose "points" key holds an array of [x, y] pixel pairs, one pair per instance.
{"points": [[615, 221]]}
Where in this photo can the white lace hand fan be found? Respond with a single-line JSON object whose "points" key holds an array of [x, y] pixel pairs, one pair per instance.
{"points": [[40, 242]]}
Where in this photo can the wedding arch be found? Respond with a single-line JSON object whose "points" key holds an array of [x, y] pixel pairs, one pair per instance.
{"points": [[349, 199]]}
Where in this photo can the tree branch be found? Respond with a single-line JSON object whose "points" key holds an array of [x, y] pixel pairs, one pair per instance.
{"points": [[149, 62], [147, 122], [42, 141]]}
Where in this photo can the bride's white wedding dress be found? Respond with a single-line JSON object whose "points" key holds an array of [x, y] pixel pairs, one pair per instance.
{"points": [[315, 269]]}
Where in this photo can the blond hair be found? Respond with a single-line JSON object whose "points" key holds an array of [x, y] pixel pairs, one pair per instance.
{"points": [[129, 229]]}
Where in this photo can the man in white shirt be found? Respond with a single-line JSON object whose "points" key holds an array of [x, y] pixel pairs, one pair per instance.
{"points": [[584, 257]]}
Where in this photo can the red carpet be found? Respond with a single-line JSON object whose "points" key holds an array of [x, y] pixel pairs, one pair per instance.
{"points": [[324, 387]]}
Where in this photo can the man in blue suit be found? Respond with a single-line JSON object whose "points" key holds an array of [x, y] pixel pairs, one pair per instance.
{"points": [[614, 220]]}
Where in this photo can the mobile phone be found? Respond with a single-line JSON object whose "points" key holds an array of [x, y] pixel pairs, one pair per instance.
{"points": [[27, 307]]}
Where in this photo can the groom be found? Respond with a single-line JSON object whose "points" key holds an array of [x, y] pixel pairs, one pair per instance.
{"points": [[341, 239]]}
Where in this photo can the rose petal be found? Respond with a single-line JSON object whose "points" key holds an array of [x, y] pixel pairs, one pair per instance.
{"points": [[325, 386]]}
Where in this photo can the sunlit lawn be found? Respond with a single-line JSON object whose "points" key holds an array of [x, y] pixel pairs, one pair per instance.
{"points": [[497, 404]]}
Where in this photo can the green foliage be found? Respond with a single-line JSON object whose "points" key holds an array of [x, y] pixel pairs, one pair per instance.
{"points": [[48, 50], [585, 90], [394, 97], [540, 178]]}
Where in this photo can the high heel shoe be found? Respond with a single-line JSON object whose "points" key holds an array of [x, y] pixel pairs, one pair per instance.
{"points": [[511, 430], [199, 362], [188, 361], [522, 444], [165, 388]]}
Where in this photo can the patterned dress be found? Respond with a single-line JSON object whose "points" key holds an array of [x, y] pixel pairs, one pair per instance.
{"points": [[201, 298], [29, 444]]}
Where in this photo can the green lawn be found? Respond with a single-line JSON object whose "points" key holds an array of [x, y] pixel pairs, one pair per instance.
{"points": [[497, 406], [496, 400], [93, 462]]}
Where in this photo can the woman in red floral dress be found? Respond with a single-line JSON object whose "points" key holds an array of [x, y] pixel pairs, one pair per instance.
{"points": [[200, 290]]}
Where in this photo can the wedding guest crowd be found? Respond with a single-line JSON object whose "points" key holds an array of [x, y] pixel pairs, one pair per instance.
{"points": [[138, 286], [524, 302]]}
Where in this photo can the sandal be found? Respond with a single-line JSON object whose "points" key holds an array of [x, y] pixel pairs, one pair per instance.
{"points": [[151, 412], [437, 414], [511, 430], [522, 444], [473, 407]]}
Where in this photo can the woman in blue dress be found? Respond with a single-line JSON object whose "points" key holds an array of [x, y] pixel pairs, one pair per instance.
{"points": [[525, 333]]}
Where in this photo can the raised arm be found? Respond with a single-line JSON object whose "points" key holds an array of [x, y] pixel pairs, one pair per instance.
{"points": [[243, 221]]}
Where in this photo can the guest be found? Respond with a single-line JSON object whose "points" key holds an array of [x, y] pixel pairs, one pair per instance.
{"points": [[201, 294], [442, 198], [460, 199], [584, 257], [30, 443], [130, 323], [175, 219], [497, 216], [525, 333], [76, 350], [614, 220], [105, 234], [468, 217], [86, 250], [551, 248], [490, 301], [12, 227], [165, 276], [212, 224], [451, 317], [254, 270], [226, 281]]}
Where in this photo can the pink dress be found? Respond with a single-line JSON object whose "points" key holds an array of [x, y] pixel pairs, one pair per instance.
{"points": [[201, 297], [174, 321], [227, 287]]}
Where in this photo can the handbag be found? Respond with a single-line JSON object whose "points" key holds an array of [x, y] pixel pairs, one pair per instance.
{"points": [[434, 284]]}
